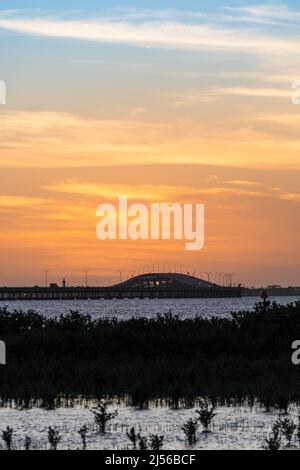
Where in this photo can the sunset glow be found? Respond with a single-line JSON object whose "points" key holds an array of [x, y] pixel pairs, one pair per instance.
{"points": [[160, 105]]}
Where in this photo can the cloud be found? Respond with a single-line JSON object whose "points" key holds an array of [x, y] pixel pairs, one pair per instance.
{"points": [[138, 14], [246, 183], [50, 139], [267, 76], [64, 140], [293, 197], [253, 92], [269, 13], [109, 191], [189, 98], [144, 192], [196, 98], [289, 120], [11, 202], [158, 33], [169, 193]]}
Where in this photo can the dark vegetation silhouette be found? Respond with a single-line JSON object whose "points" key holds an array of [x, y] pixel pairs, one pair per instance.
{"points": [[27, 444], [298, 430], [283, 428], [139, 442], [205, 415], [53, 361], [7, 437], [143, 442], [156, 442], [273, 442], [54, 438], [133, 437], [287, 428], [102, 416], [190, 430], [83, 434]]}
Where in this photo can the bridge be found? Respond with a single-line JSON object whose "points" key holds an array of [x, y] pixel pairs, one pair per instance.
{"points": [[149, 285]]}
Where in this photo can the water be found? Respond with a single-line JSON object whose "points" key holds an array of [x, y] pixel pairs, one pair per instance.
{"points": [[128, 308], [234, 427]]}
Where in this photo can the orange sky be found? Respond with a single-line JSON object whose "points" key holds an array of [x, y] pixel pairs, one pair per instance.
{"points": [[48, 220], [90, 123]]}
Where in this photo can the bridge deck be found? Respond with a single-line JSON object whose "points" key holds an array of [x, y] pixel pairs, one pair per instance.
{"points": [[74, 293], [149, 285]]}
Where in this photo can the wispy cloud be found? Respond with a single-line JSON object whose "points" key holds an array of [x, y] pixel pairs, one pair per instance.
{"points": [[195, 97], [244, 183], [109, 191], [254, 92], [66, 140], [266, 76], [148, 192], [11, 201], [157, 33], [289, 120], [275, 13], [139, 14], [62, 140]]}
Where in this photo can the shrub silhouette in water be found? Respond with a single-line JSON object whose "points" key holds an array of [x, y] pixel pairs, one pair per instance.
{"points": [[143, 444], [190, 430], [82, 433], [273, 442], [298, 429], [102, 416], [156, 442], [27, 443], [54, 438], [7, 437], [206, 415], [287, 428], [133, 437]]}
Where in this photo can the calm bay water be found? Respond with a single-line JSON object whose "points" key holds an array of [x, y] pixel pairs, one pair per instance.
{"points": [[128, 308]]}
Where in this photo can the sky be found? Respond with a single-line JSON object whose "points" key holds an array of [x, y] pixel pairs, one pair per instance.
{"points": [[161, 101]]}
